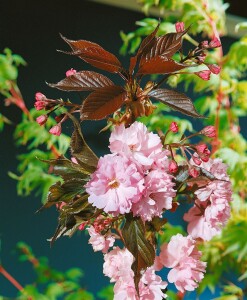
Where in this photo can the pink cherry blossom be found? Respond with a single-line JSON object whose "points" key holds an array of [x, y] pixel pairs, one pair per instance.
{"points": [[157, 195], [115, 185], [211, 210], [100, 242], [136, 143], [117, 264], [151, 286], [182, 256]]}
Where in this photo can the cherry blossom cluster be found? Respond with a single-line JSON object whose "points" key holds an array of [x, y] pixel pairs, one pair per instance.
{"points": [[117, 266], [134, 178]]}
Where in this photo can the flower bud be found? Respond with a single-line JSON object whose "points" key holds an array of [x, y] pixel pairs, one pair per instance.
{"points": [[173, 127], [205, 74], [215, 43], [39, 96], [194, 172], [56, 130], [70, 72], [203, 45], [173, 167], [209, 131], [196, 159], [215, 69], [179, 26], [41, 120]]}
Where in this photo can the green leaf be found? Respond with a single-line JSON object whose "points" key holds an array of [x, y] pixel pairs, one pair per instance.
{"points": [[106, 293], [136, 242], [80, 295]]}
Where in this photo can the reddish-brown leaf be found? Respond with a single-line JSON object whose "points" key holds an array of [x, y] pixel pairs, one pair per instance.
{"points": [[103, 102], [176, 100], [139, 246], [160, 65], [95, 55], [82, 81], [166, 46], [146, 43]]}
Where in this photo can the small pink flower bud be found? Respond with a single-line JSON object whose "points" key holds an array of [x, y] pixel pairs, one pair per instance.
{"points": [[41, 120], [173, 127], [39, 105], [70, 72], [56, 130], [201, 148], [205, 74], [215, 43], [179, 26], [196, 160], [39, 96], [215, 69], [82, 226], [203, 45], [173, 167], [209, 131], [201, 57], [194, 172]]}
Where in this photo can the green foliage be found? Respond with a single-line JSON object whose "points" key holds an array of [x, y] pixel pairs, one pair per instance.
{"points": [[106, 293], [51, 284]]}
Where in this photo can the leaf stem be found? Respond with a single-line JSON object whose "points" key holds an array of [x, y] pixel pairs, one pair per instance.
{"points": [[10, 278]]}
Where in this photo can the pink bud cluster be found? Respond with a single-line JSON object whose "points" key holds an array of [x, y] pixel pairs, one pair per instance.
{"points": [[135, 177]]}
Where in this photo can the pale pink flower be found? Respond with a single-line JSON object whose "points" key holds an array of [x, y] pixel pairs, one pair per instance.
{"points": [[100, 242], [211, 210], [136, 143], [41, 120], [125, 290], [151, 286], [205, 74], [161, 161], [157, 195], [117, 265], [115, 185], [56, 130], [70, 72], [179, 26], [182, 256]]}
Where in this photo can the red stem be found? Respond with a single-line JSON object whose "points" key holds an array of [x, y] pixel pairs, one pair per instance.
{"points": [[10, 278]]}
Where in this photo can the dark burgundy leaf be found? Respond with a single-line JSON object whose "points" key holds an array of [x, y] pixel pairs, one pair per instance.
{"points": [[166, 46], [86, 158], [143, 48], [103, 102], [82, 81], [160, 65], [176, 100], [95, 55], [138, 245]]}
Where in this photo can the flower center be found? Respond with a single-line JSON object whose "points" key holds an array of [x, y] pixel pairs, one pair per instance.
{"points": [[132, 147], [113, 184]]}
